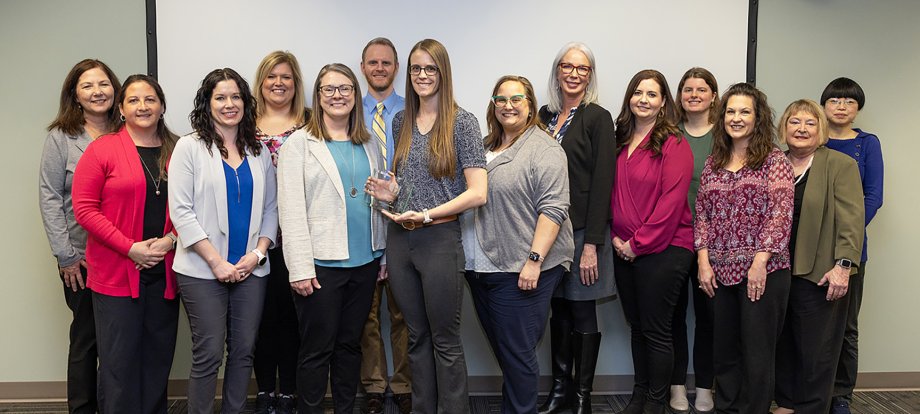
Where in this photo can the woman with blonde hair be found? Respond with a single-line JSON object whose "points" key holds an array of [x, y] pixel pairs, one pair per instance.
{"points": [[279, 96], [826, 244]]}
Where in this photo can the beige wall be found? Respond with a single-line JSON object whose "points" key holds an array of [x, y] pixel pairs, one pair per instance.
{"points": [[803, 45], [800, 50]]}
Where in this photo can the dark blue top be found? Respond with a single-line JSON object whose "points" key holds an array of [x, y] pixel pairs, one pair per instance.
{"points": [[867, 151], [239, 208]]}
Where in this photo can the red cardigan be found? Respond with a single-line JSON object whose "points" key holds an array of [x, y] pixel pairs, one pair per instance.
{"points": [[109, 191]]}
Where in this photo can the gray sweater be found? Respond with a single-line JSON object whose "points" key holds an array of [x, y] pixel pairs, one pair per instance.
{"points": [[526, 180], [59, 159]]}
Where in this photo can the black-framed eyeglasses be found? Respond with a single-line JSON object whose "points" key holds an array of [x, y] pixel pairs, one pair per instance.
{"points": [[567, 68], [344, 90], [430, 70], [501, 101]]}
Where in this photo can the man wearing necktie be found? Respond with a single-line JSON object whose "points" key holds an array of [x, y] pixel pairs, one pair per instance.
{"points": [[379, 63]]}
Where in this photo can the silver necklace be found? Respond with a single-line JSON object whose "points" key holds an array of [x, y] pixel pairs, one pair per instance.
{"points": [[354, 191], [156, 182]]}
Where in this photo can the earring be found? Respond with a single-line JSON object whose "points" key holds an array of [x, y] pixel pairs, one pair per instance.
{"points": [[122, 118], [161, 115]]}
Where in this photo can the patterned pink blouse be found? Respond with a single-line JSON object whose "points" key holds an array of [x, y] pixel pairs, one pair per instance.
{"points": [[741, 213]]}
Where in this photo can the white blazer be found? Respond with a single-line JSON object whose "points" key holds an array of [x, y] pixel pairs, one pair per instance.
{"points": [[311, 204], [198, 203]]}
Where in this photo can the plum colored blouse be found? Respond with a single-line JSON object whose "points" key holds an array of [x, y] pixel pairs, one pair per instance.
{"points": [[649, 199]]}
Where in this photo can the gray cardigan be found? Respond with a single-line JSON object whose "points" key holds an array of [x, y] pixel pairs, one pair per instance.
{"points": [[55, 177], [526, 180]]}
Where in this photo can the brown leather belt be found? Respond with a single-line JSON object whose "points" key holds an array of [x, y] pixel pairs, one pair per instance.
{"points": [[412, 225]]}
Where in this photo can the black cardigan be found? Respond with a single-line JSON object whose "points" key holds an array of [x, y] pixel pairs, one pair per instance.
{"points": [[590, 147]]}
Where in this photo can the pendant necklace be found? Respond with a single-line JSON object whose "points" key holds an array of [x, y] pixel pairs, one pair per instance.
{"points": [[354, 191], [156, 182]]}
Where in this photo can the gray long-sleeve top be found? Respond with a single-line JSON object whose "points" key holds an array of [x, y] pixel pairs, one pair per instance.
{"points": [[526, 180], [59, 159]]}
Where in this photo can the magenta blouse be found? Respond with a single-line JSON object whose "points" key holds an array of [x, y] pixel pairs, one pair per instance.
{"points": [[649, 199], [739, 214]]}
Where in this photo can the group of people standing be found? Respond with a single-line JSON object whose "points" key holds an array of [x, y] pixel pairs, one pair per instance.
{"points": [[281, 227]]}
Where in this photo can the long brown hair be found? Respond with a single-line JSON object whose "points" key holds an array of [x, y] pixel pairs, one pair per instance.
{"points": [[665, 122], [762, 142], [167, 138], [268, 63], [70, 118], [706, 76], [357, 131], [494, 138], [442, 157]]}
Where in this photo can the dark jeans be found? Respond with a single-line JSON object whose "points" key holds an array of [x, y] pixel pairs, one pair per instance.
{"points": [[137, 341], [848, 366], [649, 288], [220, 313], [331, 321], [278, 340], [426, 274], [809, 348], [82, 356], [702, 334], [514, 321], [746, 334]]}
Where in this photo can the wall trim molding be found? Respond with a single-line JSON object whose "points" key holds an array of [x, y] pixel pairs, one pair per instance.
{"points": [[479, 385]]}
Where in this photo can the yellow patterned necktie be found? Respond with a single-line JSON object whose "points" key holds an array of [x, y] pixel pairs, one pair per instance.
{"points": [[380, 131]]}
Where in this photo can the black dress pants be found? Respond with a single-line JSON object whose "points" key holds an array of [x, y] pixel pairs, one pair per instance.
{"points": [[278, 341], [809, 348], [82, 355], [331, 321], [137, 341], [746, 334], [848, 366], [702, 334], [649, 288]]}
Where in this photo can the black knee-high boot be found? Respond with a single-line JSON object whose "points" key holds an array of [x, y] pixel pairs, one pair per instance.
{"points": [[562, 392], [587, 346]]}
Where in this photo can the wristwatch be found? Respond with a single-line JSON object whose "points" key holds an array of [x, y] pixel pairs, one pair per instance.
{"points": [[175, 240], [534, 256], [427, 217], [845, 263], [261, 256]]}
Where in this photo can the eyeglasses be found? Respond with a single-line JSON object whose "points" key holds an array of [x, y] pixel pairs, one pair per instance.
{"points": [[430, 70], [844, 102], [501, 101], [344, 90], [567, 68]]}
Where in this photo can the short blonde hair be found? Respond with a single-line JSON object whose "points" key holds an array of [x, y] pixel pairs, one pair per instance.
{"points": [[809, 107]]}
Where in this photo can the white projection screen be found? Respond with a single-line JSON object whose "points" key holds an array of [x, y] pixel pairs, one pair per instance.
{"points": [[485, 39]]}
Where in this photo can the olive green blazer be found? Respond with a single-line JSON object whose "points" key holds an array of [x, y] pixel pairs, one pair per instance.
{"points": [[831, 223]]}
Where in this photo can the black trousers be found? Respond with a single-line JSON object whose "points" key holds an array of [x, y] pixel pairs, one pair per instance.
{"points": [[809, 348], [649, 289], [848, 366], [137, 341], [82, 355], [702, 334], [746, 334], [331, 321], [514, 321], [278, 340]]}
